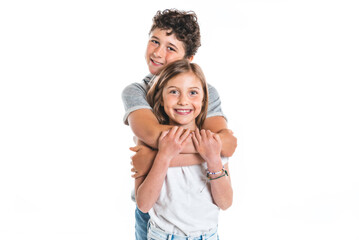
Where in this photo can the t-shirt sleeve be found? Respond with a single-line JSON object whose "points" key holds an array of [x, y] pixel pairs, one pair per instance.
{"points": [[134, 98], [214, 104]]}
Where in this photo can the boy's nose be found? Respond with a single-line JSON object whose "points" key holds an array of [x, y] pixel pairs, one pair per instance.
{"points": [[158, 52]]}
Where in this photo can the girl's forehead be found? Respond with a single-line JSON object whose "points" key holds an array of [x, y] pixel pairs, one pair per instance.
{"points": [[184, 80]]}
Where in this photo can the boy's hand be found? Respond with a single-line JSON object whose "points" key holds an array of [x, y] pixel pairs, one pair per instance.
{"points": [[208, 145], [229, 142], [171, 142], [142, 160]]}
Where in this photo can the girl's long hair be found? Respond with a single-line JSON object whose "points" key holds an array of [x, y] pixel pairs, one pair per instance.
{"points": [[154, 95]]}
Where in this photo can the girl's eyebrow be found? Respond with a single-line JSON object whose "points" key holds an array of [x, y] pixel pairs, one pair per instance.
{"points": [[189, 87]]}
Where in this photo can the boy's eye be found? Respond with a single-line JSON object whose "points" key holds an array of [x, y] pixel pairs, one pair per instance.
{"points": [[171, 49], [155, 42]]}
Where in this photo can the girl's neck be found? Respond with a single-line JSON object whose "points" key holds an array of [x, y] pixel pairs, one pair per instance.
{"points": [[192, 125]]}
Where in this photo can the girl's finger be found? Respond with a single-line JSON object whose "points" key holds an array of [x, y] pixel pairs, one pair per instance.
{"points": [[203, 133], [179, 132], [173, 131], [216, 136], [198, 135], [184, 136], [209, 134], [195, 141], [163, 134]]}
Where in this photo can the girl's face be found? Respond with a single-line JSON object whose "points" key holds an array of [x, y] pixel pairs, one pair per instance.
{"points": [[182, 99]]}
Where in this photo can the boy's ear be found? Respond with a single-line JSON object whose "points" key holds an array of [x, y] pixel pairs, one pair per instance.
{"points": [[190, 58]]}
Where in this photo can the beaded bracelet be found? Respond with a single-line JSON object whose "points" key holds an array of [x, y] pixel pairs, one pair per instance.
{"points": [[224, 174], [214, 173]]}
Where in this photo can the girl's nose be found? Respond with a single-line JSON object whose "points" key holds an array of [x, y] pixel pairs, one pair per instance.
{"points": [[182, 100]]}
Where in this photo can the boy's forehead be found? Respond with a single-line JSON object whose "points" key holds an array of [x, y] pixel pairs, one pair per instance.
{"points": [[164, 33]]}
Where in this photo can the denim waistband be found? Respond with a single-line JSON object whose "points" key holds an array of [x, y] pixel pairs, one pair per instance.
{"points": [[158, 234]]}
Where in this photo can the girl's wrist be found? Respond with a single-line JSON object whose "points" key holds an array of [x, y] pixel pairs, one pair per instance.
{"points": [[163, 158], [214, 166]]}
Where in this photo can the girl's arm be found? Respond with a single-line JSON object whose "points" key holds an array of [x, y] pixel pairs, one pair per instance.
{"points": [[221, 189], [148, 190], [208, 145]]}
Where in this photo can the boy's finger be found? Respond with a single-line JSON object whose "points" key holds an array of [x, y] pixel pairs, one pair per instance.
{"points": [[135, 149]]}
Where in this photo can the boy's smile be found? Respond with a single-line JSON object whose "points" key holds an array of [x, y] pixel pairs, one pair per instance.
{"points": [[162, 49], [182, 99]]}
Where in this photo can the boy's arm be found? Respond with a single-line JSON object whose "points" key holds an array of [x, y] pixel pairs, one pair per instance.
{"points": [[144, 156], [145, 126]]}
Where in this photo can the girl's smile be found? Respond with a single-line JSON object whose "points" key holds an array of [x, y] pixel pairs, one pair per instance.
{"points": [[182, 99]]}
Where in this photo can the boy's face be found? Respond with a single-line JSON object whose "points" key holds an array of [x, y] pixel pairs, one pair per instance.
{"points": [[163, 49]]}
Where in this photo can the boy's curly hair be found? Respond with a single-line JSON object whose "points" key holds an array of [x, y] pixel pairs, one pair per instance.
{"points": [[183, 24]]}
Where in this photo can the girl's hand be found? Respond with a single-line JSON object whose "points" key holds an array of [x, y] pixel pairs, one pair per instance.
{"points": [[171, 142], [208, 145]]}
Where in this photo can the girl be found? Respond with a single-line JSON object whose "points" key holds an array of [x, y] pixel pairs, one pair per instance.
{"points": [[183, 202]]}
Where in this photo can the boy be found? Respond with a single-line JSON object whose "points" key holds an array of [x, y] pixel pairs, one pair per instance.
{"points": [[174, 35]]}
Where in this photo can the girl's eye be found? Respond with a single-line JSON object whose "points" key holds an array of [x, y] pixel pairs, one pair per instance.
{"points": [[173, 91], [193, 92]]}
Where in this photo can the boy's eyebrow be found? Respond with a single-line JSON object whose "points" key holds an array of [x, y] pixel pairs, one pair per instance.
{"points": [[171, 44]]}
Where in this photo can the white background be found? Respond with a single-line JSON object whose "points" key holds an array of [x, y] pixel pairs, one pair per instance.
{"points": [[287, 72]]}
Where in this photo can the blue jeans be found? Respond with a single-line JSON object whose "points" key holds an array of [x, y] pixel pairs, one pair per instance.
{"points": [[141, 224], [157, 234]]}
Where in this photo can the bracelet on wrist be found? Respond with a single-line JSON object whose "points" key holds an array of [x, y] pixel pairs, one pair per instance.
{"points": [[225, 173], [214, 173]]}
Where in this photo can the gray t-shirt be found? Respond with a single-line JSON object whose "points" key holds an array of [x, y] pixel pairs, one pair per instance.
{"points": [[134, 98]]}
